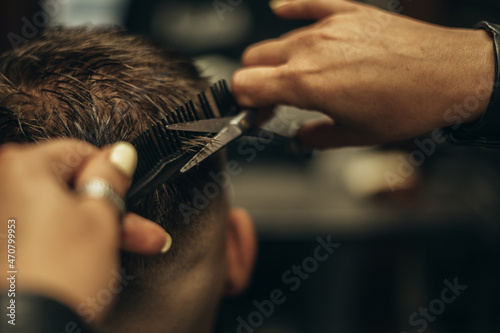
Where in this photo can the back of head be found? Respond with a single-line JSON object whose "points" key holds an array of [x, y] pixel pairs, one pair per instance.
{"points": [[103, 85]]}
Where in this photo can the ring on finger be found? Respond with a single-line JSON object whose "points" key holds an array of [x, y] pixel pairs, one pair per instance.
{"points": [[99, 188]]}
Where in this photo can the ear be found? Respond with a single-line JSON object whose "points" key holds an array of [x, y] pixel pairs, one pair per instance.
{"points": [[241, 249]]}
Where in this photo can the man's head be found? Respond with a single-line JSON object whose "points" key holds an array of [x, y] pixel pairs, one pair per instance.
{"points": [[103, 86]]}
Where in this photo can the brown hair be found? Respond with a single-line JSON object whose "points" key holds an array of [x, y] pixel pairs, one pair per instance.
{"points": [[102, 85]]}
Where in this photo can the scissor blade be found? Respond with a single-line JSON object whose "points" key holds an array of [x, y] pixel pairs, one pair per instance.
{"points": [[205, 125], [224, 137]]}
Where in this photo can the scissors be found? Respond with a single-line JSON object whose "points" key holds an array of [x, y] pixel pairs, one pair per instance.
{"points": [[227, 129], [160, 146]]}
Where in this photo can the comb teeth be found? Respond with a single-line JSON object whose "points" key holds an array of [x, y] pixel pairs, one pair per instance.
{"points": [[233, 107], [157, 144], [224, 99], [218, 96], [182, 114], [205, 106]]}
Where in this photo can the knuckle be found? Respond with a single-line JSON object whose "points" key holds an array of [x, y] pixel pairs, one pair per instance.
{"points": [[315, 38], [302, 70], [320, 36], [293, 74], [303, 38], [293, 78]]}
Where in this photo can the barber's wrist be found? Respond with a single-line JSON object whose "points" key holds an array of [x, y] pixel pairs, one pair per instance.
{"points": [[483, 79], [475, 76], [483, 127], [465, 77]]}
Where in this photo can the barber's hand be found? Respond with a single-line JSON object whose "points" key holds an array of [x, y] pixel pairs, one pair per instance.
{"points": [[379, 76], [67, 245]]}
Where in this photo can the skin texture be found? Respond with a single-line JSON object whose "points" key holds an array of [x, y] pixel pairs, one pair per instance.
{"points": [[185, 299], [66, 245], [379, 76]]}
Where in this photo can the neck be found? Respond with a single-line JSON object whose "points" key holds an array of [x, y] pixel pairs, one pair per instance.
{"points": [[187, 306]]}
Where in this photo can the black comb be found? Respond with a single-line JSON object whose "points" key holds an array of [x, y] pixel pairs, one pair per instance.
{"points": [[161, 152]]}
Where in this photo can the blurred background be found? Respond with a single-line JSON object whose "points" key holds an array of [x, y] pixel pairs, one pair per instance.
{"points": [[406, 227]]}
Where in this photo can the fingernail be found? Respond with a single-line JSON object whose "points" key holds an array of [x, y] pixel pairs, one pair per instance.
{"points": [[124, 157], [278, 3], [168, 243]]}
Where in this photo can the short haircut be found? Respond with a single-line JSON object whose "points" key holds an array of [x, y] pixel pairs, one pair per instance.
{"points": [[103, 85]]}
